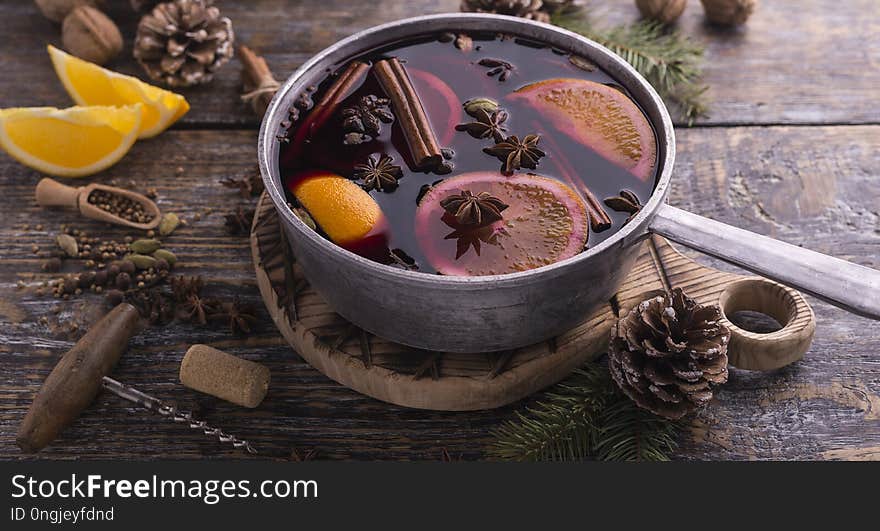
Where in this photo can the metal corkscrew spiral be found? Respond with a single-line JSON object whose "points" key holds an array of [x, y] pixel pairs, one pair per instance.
{"points": [[171, 411]]}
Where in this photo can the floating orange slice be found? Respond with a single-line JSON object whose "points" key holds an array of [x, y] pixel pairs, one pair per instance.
{"points": [[89, 84], [545, 222], [343, 210], [597, 116]]}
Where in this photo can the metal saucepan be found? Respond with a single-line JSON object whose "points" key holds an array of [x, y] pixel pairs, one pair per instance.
{"points": [[479, 314]]}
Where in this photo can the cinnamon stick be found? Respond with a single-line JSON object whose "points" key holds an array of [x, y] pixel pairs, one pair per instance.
{"points": [[345, 84], [409, 112], [259, 83], [599, 219]]}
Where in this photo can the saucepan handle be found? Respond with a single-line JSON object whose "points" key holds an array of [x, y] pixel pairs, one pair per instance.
{"points": [[849, 286]]}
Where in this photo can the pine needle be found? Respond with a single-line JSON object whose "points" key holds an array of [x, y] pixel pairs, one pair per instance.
{"points": [[585, 417], [669, 61]]}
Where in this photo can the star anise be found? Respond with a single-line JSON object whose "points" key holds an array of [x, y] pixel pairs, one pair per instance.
{"points": [[627, 202], [365, 118], [467, 237], [197, 308], [239, 222], [238, 316], [497, 67], [515, 153], [182, 288], [378, 174], [248, 186], [488, 124], [470, 209], [153, 305]]}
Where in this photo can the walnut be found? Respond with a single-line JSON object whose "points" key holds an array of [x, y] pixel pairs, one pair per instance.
{"points": [[56, 10], [663, 11], [91, 35], [729, 12]]}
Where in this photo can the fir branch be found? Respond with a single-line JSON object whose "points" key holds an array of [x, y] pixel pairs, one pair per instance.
{"points": [[585, 417], [668, 60]]}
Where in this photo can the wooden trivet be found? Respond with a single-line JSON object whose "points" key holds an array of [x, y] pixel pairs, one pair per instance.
{"points": [[460, 382]]}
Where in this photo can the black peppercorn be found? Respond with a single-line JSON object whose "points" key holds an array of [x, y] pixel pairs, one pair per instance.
{"points": [[162, 264], [86, 279], [101, 278], [52, 265], [113, 270], [123, 281], [127, 266], [114, 297], [70, 285]]}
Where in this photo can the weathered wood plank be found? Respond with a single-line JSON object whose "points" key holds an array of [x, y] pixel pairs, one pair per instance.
{"points": [[810, 186], [794, 62]]}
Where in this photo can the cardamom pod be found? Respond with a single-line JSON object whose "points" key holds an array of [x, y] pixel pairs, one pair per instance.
{"points": [[68, 244], [169, 222], [145, 246], [141, 261], [305, 217], [474, 106], [165, 254]]}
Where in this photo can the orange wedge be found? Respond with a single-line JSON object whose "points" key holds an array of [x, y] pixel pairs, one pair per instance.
{"points": [[89, 84], [343, 210], [69, 142], [598, 116]]}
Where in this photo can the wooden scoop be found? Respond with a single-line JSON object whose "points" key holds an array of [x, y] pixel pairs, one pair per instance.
{"points": [[52, 193]]}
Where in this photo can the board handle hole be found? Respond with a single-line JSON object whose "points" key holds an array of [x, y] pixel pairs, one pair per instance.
{"points": [[758, 306]]}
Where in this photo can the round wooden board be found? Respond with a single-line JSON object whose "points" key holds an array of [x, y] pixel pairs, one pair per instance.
{"points": [[461, 382]]}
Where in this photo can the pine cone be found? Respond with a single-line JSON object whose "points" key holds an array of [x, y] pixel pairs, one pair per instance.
{"points": [[669, 353], [539, 10], [183, 42], [143, 5]]}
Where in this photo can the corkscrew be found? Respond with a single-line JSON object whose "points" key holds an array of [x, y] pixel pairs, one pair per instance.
{"points": [[170, 410]]}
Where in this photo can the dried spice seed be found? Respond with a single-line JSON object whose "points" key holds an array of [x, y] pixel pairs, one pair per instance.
{"points": [[239, 222], [141, 261], [497, 67], [237, 316], [464, 42], [165, 255], [582, 63], [378, 174], [470, 209], [471, 107], [52, 265], [626, 202], [145, 246], [515, 153], [68, 244], [249, 186], [489, 124], [367, 116], [170, 221], [114, 297], [120, 206]]}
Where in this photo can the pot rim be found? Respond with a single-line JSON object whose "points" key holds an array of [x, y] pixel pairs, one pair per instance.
{"points": [[626, 235]]}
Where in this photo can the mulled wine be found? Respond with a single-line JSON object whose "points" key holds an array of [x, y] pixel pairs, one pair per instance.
{"points": [[468, 154]]}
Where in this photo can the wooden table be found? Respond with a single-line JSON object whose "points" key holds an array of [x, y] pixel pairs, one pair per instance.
{"points": [[791, 150]]}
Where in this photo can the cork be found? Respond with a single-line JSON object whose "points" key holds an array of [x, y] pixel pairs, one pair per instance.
{"points": [[214, 372]]}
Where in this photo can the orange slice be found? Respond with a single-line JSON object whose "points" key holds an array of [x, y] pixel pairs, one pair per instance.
{"points": [[89, 84], [343, 210], [598, 116], [69, 142], [545, 222]]}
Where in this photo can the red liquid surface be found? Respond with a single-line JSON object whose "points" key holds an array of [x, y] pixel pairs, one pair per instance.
{"points": [[444, 78]]}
